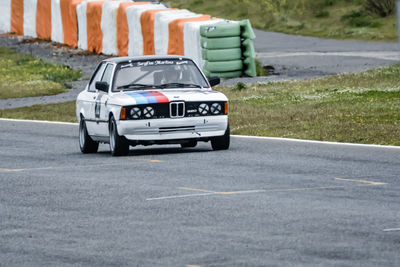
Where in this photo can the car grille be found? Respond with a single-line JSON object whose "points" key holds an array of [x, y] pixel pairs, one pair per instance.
{"points": [[177, 109]]}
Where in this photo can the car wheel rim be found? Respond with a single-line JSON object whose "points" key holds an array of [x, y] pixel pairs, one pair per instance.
{"points": [[112, 140], [82, 135]]}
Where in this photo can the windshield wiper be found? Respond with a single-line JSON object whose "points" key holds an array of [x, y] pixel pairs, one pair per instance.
{"points": [[179, 85], [135, 86]]}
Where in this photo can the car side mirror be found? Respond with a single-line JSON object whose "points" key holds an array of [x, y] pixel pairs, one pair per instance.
{"points": [[102, 86], [214, 81]]}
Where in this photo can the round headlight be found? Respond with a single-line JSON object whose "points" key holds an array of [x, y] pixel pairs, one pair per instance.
{"points": [[203, 109], [148, 112], [136, 113], [216, 108]]}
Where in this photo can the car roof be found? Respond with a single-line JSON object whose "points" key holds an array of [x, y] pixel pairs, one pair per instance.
{"points": [[140, 58]]}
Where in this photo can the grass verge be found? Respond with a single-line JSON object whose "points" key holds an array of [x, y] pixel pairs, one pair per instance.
{"points": [[50, 112], [338, 19], [22, 75], [356, 108]]}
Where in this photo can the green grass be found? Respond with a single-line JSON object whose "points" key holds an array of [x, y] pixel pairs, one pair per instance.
{"points": [[356, 108], [22, 75], [338, 19], [50, 112]]}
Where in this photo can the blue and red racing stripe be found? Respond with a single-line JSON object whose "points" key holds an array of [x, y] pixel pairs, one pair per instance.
{"points": [[148, 97]]}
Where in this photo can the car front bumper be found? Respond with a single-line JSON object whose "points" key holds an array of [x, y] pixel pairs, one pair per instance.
{"points": [[170, 129]]}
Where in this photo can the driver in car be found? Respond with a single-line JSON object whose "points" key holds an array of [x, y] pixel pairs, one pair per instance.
{"points": [[172, 75]]}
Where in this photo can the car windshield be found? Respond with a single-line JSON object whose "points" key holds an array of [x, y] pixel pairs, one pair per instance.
{"points": [[158, 74]]}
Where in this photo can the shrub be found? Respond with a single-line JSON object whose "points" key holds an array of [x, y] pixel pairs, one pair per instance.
{"points": [[260, 69], [356, 19], [322, 14], [240, 86], [382, 8]]}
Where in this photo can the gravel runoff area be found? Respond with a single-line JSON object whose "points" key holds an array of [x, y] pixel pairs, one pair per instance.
{"points": [[289, 57]]}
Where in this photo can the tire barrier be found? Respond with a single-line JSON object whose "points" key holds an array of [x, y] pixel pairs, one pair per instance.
{"points": [[228, 49], [221, 30], [221, 43], [127, 28], [225, 74], [221, 66], [222, 54], [192, 39]]}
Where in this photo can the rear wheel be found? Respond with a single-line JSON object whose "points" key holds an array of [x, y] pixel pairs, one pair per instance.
{"points": [[191, 143], [221, 142], [118, 144], [86, 143]]}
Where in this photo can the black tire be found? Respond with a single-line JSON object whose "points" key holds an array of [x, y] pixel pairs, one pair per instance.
{"points": [[118, 144], [86, 143], [191, 143], [221, 142]]}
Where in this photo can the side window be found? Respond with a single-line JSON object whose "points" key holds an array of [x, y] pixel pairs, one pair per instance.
{"points": [[107, 74], [96, 77]]}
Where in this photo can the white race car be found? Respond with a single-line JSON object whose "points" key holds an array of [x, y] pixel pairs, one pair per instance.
{"points": [[150, 100]]}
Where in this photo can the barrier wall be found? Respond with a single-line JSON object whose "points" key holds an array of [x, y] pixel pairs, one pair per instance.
{"points": [[192, 37], [69, 21], [57, 32], [5, 17], [161, 28], [124, 28], [133, 14], [109, 27], [30, 18]]}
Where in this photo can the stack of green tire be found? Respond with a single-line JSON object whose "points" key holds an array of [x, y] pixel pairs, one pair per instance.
{"points": [[228, 49]]}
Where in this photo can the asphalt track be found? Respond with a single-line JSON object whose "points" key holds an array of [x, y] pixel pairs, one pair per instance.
{"points": [[261, 203]]}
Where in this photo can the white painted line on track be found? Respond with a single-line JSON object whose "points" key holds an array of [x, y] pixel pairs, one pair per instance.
{"points": [[236, 136], [38, 121], [102, 165], [360, 181], [313, 141], [391, 230], [181, 196], [385, 55], [255, 191]]}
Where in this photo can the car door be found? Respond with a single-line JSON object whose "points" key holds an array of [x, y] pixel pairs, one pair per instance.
{"points": [[101, 110], [91, 96]]}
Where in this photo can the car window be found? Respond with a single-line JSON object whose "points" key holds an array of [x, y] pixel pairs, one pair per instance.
{"points": [[107, 73], [96, 76], [157, 73]]}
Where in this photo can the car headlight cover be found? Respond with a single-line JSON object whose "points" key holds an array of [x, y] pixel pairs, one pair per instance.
{"points": [[148, 112], [203, 109], [216, 108], [136, 113]]}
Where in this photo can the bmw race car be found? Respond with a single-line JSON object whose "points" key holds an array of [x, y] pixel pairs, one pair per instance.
{"points": [[150, 100]]}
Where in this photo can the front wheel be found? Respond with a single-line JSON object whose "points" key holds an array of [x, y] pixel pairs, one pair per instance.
{"points": [[118, 144], [86, 143], [221, 142]]}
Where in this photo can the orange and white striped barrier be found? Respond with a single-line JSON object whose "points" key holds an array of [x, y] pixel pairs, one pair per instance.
{"points": [[30, 18], [113, 27], [133, 14], [5, 17], [123, 28]]}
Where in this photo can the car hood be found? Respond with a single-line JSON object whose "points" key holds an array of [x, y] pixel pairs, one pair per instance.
{"points": [[165, 96]]}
